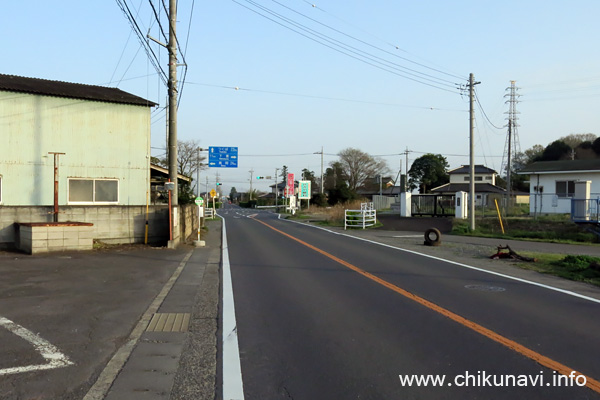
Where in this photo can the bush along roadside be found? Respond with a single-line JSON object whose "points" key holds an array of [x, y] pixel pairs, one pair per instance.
{"points": [[579, 268]]}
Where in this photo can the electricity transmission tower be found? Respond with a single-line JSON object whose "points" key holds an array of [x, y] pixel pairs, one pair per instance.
{"points": [[512, 146]]}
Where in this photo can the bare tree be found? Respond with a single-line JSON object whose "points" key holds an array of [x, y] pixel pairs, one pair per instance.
{"points": [[188, 158], [358, 166]]}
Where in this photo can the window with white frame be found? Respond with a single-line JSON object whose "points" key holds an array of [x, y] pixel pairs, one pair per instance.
{"points": [[565, 188], [93, 191]]}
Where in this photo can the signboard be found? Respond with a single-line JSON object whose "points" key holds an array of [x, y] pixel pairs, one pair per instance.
{"points": [[305, 192], [213, 193], [290, 186], [199, 201], [223, 157]]}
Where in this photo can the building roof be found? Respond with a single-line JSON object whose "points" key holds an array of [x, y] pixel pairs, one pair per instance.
{"points": [[161, 174], [464, 187], [466, 169], [45, 87], [562, 166]]}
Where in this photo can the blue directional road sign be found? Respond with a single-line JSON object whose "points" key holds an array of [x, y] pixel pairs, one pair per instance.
{"points": [[223, 157]]}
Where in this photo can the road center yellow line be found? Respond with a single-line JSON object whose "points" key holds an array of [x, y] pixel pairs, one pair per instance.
{"points": [[539, 358]]}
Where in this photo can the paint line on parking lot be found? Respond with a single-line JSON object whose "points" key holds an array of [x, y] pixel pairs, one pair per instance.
{"points": [[53, 356]]}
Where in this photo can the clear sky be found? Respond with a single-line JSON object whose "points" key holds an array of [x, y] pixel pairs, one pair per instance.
{"points": [[296, 95]]}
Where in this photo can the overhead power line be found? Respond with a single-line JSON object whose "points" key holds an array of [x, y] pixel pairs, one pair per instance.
{"points": [[325, 97], [141, 37], [349, 50], [375, 47]]}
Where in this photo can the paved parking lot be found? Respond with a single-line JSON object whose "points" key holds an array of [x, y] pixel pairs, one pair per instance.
{"points": [[63, 315]]}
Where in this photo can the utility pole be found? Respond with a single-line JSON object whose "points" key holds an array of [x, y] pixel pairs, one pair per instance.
{"points": [[512, 135], [276, 189], [251, 176], [322, 170], [172, 89], [471, 85], [321, 153], [198, 174]]}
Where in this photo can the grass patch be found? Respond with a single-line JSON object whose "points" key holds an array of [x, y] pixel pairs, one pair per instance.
{"points": [[576, 268], [554, 229]]}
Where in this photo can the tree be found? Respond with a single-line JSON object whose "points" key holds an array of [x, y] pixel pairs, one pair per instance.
{"points": [[188, 158], [358, 166], [528, 156], [576, 139], [428, 171], [596, 146], [334, 175], [233, 194], [284, 173], [557, 150]]}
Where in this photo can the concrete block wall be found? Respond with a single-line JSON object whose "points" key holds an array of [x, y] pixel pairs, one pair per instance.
{"points": [[112, 224], [38, 238]]}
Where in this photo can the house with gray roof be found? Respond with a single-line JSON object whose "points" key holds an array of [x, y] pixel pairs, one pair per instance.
{"points": [[460, 178]]}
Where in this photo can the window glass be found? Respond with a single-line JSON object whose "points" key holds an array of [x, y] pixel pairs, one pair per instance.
{"points": [[81, 190], [565, 188], [107, 191]]}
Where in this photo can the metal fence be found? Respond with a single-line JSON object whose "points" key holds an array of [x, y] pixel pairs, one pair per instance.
{"points": [[433, 204], [585, 210], [363, 218]]}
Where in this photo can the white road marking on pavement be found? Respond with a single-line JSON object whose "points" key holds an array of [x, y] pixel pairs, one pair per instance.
{"points": [[567, 292], [233, 386], [54, 358]]}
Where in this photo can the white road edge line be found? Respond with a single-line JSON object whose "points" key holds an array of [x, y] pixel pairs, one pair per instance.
{"points": [[55, 358], [567, 292], [233, 387]]}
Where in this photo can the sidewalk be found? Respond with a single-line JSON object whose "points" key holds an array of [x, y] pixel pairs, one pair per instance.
{"points": [[175, 351]]}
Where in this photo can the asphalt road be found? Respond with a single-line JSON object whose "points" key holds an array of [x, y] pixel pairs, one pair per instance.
{"points": [[324, 316], [77, 309]]}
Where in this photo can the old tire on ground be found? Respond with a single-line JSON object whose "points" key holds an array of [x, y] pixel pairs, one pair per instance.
{"points": [[433, 237]]}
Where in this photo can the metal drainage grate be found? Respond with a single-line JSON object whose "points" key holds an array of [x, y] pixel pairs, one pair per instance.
{"points": [[169, 322], [485, 288]]}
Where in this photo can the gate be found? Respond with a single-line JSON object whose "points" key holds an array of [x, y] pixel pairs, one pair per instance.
{"points": [[435, 205]]}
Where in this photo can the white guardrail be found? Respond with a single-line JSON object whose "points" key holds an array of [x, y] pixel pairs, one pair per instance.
{"points": [[208, 213], [365, 217]]}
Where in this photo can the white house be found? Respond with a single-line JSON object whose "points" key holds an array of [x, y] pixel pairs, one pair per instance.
{"points": [[103, 133], [460, 178], [552, 183]]}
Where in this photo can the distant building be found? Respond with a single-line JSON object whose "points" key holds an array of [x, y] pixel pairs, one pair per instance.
{"points": [[460, 178]]}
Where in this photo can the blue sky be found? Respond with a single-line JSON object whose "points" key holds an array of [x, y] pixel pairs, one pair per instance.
{"points": [[296, 95]]}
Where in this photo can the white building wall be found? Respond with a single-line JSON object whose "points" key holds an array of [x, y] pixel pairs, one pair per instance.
{"points": [[101, 140], [463, 178], [548, 202]]}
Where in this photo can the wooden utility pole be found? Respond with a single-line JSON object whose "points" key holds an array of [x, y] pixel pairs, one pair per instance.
{"points": [[172, 88]]}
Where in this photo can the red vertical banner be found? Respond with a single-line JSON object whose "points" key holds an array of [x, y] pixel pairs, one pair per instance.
{"points": [[290, 185]]}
